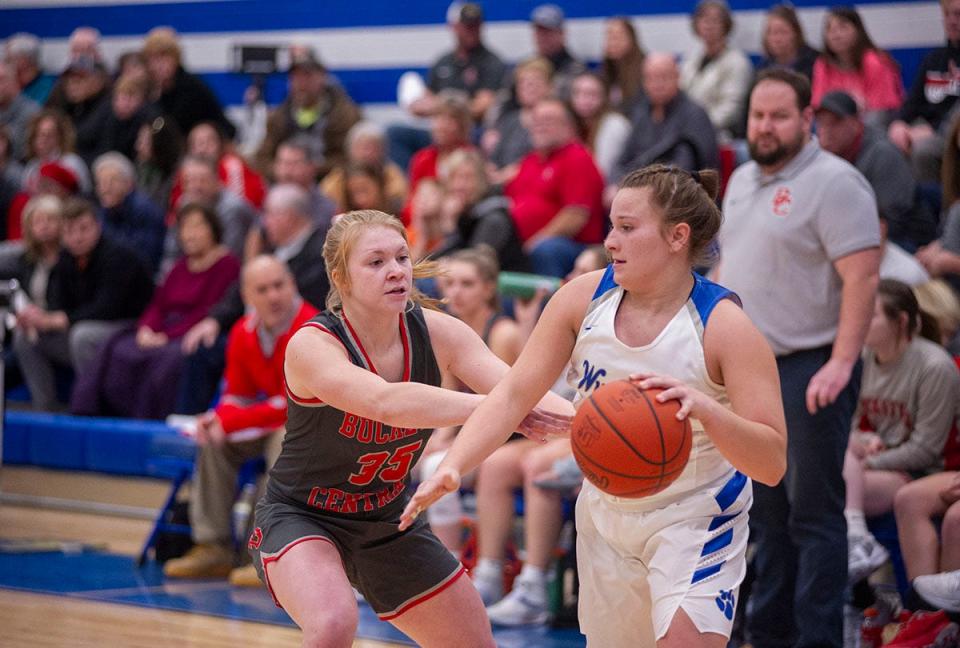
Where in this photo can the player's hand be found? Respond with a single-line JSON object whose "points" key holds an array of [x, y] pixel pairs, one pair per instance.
{"points": [[827, 384], [951, 493], [693, 402], [540, 424], [445, 480]]}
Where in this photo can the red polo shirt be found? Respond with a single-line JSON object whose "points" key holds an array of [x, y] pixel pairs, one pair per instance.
{"points": [[544, 185]]}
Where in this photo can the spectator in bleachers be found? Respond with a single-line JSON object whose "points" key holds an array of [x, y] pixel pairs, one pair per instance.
{"points": [[470, 69], [53, 179], [622, 65], [906, 409], [603, 130], [248, 420], [932, 560], [51, 138], [137, 371], [851, 62], [42, 228], [842, 131], [159, 148], [449, 131], [96, 288], [128, 215], [16, 109], [366, 187], [716, 75], [23, 52], [10, 171], [297, 162], [941, 258], [508, 141], [937, 298], [784, 43], [479, 215], [207, 141], [178, 94], [84, 43], [667, 126], [128, 111], [87, 102], [132, 64], [550, 42], [297, 240], [314, 106], [557, 194], [920, 127], [201, 183], [429, 225], [367, 144]]}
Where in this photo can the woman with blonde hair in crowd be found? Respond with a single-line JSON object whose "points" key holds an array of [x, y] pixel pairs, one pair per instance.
{"points": [[42, 219]]}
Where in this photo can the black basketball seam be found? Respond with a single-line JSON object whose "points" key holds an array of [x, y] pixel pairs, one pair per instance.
{"points": [[596, 463], [656, 418], [623, 438]]}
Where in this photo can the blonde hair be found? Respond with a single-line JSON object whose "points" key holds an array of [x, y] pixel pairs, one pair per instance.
{"points": [[937, 298], [162, 40], [49, 204], [338, 247]]}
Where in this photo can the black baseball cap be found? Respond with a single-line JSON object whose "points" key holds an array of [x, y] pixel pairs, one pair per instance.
{"points": [[839, 103]]}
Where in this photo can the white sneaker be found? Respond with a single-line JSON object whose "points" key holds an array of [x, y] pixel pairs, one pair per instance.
{"points": [[942, 590], [489, 586], [526, 604], [865, 556]]}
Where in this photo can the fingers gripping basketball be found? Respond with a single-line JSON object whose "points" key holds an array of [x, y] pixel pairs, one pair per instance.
{"points": [[627, 443]]}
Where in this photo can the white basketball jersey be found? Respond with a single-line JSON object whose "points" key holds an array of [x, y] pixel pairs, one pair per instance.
{"points": [[600, 357]]}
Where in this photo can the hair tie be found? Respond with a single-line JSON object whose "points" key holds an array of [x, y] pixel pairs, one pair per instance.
{"points": [[696, 176]]}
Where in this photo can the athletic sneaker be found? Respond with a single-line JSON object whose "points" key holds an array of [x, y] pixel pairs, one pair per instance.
{"points": [[866, 555], [202, 561], [925, 630], [489, 586], [526, 604], [942, 590]]}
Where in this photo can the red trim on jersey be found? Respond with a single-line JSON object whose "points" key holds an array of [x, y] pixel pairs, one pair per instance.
{"points": [[426, 597], [265, 561], [363, 351], [404, 335]]}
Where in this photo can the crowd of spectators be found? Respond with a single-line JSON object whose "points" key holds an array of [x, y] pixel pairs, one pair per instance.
{"points": [[128, 209]]}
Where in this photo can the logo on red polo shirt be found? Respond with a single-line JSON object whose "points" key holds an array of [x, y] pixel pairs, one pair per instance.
{"points": [[782, 201]]}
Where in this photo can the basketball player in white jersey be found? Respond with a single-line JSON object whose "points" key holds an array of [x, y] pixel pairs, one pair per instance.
{"points": [[661, 570]]}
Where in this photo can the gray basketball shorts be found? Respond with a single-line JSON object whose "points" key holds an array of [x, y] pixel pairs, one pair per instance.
{"points": [[393, 570]]}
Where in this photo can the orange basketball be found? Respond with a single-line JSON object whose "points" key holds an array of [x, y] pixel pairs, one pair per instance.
{"points": [[627, 443]]}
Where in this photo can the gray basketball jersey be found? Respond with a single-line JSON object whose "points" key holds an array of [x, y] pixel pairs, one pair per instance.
{"points": [[335, 462]]}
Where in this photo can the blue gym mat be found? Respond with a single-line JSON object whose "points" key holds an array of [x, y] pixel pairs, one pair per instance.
{"points": [[97, 576]]}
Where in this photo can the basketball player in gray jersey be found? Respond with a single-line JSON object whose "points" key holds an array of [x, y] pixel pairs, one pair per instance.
{"points": [[363, 394]]}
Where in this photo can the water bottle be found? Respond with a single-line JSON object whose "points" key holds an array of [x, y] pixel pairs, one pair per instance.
{"points": [[242, 510], [871, 629]]}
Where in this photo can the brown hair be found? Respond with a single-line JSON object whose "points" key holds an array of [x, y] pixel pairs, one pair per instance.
{"points": [[787, 14], [797, 81], [898, 298], [950, 168], [484, 261], [684, 197], [74, 208], [863, 43], [67, 136], [130, 85], [209, 216], [339, 244], [585, 130], [374, 172], [454, 104], [725, 14], [627, 73]]}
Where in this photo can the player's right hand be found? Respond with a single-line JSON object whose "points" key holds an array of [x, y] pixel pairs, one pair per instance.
{"points": [[444, 480]]}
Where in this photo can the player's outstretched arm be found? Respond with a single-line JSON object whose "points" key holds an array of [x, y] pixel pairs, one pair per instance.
{"points": [[317, 366]]}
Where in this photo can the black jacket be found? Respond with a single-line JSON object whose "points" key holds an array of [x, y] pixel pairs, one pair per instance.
{"points": [[189, 101], [934, 90]]}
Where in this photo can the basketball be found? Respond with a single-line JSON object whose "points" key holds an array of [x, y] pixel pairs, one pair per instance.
{"points": [[627, 443]]}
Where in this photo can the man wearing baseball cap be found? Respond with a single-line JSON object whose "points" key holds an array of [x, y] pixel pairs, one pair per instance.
{"points": [[841, 130], [314, 107], [549, 40]]}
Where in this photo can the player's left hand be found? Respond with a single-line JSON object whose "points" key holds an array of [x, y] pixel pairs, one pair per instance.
{"points": [[693, 402], [444, 480], [827, 384], [540, 424]]}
